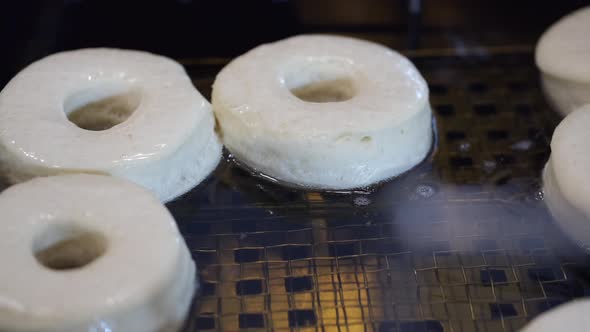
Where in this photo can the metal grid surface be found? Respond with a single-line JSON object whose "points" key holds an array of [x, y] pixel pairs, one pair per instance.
{"points": [[461, 243]]}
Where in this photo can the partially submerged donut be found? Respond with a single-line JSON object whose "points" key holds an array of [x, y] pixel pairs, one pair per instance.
{"points": [[566, 183], [563, 56], [90, 253], [129, 114], [570, 317], [325, 112]]}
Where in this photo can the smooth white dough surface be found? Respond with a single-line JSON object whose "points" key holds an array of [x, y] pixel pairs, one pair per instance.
{"points": [[562, 55], [565, 181], [382, 130], [571, 317], [143, 282], [167, 144]]}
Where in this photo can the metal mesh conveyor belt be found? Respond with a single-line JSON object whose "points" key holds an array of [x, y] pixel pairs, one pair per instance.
{"points": [[461, 243]]}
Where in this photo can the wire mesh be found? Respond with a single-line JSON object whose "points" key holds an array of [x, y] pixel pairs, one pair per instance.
{"points": [[461, 243]]}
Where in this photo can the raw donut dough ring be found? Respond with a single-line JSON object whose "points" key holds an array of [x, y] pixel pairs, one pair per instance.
{"points": [[566, 185], [570, 317], [167, 144], [383, 129], [142, 282], [562, 55]]}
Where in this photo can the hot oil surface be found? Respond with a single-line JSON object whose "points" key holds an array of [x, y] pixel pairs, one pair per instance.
{"points": [[463, 242]]}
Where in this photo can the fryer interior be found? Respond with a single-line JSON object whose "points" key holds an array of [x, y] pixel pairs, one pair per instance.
{"points": [[463, 242]]}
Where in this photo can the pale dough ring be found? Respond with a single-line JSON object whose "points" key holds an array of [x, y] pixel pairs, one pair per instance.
{"points": [[90, 253], [167, 144], [570, 317], [324, 112], [565, 181], [563, 56]]}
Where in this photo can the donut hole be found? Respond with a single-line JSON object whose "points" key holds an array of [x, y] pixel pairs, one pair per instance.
{"points": [[66, 247], [322, 80], [103, 107]]}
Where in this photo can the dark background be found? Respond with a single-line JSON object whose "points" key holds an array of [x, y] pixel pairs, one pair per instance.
{"points": [[192, 28]]}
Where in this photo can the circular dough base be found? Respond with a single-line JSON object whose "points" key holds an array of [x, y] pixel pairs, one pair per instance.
{"points": [[324, 112], [565, 178], [563, 95], [90, 253], [562, 55], [165, 142], [570, 317]]}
